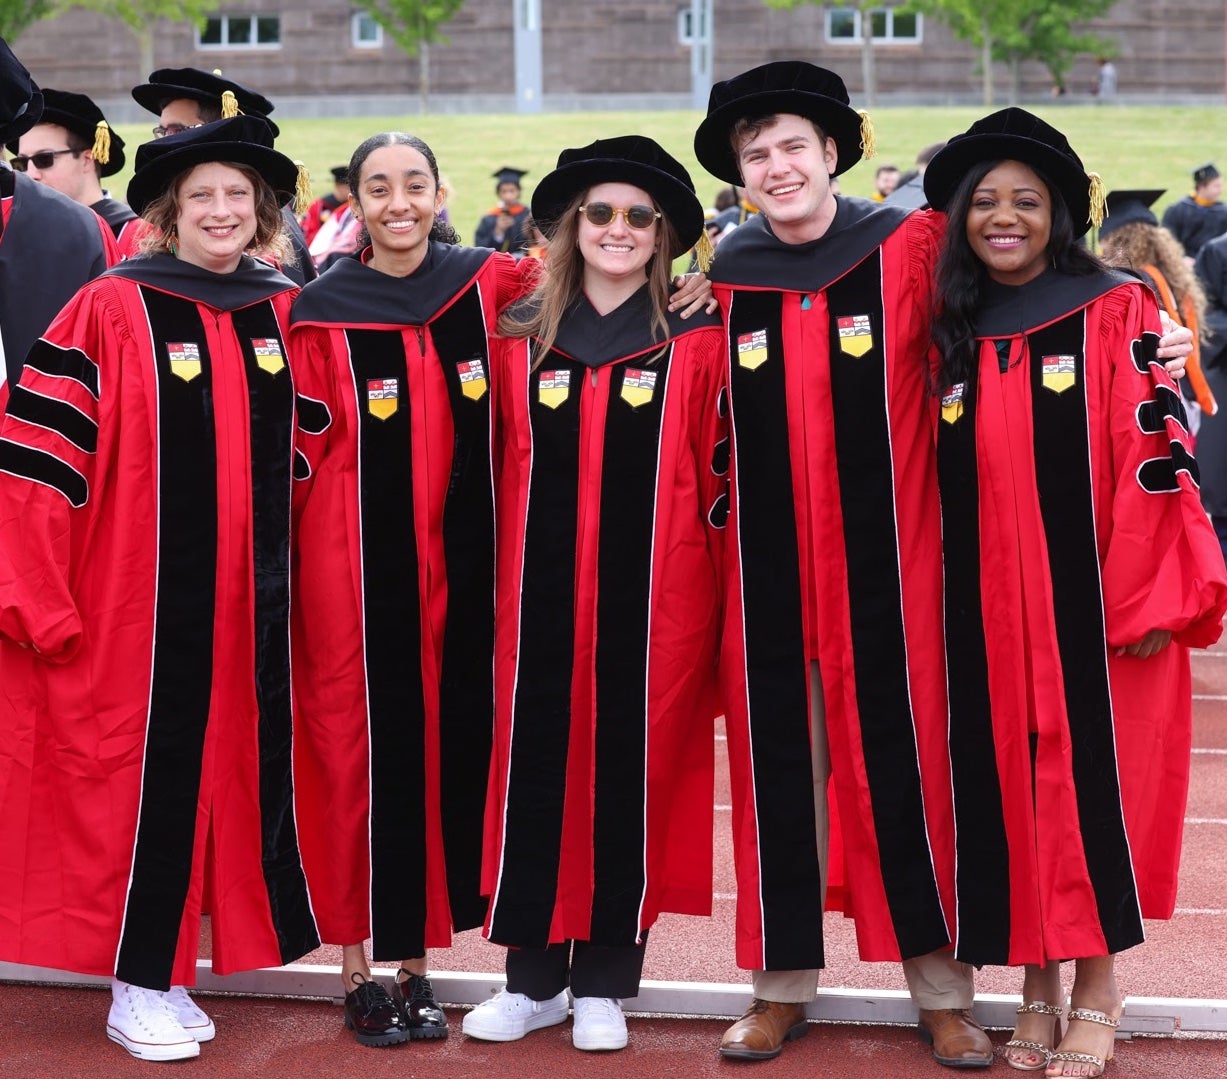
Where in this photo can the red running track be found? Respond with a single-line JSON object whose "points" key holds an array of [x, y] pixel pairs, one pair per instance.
{"points": [[47, 1031]]}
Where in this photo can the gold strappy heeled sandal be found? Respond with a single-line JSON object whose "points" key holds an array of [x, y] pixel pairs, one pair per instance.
{"points": [[1035, 1007], [1088, 1015]]}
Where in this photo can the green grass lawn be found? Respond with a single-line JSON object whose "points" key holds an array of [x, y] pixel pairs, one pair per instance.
{"points": [[1143, 147]]}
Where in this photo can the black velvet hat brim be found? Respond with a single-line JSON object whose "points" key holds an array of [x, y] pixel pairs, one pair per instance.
{"points": [[838, 121]]}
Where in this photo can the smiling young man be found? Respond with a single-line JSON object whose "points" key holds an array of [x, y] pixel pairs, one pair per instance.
{"points": [[833, 644], [826, 303], [72, 148]]}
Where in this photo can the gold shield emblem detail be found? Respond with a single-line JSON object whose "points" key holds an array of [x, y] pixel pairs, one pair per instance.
{"points": [[268, 354], [553, 388], [184, 359], [472, 379], [382, 397], [752, 349], [855, 334], [1057, 372], [638, 386]]}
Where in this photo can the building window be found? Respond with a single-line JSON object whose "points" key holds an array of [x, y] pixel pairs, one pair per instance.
{"points": [[687, 32], [240, 32], [890, 26], [365, 32]]}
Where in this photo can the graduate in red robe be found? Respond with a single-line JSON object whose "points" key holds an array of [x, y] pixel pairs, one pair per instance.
{"points": [[394, 609], [611, 476], [1079, 569], [145, 711]]}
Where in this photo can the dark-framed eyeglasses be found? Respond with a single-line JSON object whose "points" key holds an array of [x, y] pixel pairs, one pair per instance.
{"points": [[44, 159], [162, 130], [601, 214]]}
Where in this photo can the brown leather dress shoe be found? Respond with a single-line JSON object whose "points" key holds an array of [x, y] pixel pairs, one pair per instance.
{"points": [[760, 1034], [957, 1040]]}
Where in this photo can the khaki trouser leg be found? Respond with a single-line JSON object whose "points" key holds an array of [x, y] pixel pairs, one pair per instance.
{"points": [[938, 980], [801, 986]]}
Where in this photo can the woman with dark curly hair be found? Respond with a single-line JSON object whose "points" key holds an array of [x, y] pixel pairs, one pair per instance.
{"points": [[1079, 568]]}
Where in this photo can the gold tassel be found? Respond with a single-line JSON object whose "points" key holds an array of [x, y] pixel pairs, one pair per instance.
{"points": [[302, 190], [704, 252], [869, 144], [102, 143], [1099, 200], [230, 105]]}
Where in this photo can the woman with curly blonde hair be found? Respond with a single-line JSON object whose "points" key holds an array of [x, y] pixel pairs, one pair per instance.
{"points": [[1131, 238]]}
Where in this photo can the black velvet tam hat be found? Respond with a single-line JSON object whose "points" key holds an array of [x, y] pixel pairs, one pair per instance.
{"points": [[1014, 134], [1126, 207], [625, 159], [340, 174], [21, 103], [786, 86], [207, 87], [241, 140], [78, 114]]}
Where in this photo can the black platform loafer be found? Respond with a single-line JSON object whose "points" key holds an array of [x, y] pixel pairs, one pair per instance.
{"points": [[422, 1016], [373, 1016]]}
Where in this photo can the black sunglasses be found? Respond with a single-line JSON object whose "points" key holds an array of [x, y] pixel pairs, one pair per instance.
{"points": [[601, 214], [44, 159]]}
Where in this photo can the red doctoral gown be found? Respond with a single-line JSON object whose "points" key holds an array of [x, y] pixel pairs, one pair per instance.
{"points": [[834, 554], [1072, 527], [611, 499], [394, 608], [145, 726]]}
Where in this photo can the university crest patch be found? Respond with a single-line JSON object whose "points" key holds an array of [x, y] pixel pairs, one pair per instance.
{"points": [[637, 386], [855, 334], [268, 354], [184, 359], [952, 403], [553, 387], [752, 349], [1057, 372], [382, 397], [472, 379]]}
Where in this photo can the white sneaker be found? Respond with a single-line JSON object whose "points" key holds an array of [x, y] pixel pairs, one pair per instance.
{"points": [[507, 1017], [145, 1024], [190, 1017], [599, 1024]]}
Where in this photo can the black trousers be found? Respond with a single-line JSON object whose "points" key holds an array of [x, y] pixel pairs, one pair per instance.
{"points": [[591, 970]]}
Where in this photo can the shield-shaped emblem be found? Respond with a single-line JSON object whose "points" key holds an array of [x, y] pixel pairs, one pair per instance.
{"points": [[855, 334], [472, 379], [184, 359], [382, 397], [268, 354], [553, 388], [1057, 372], [752, 349], [952, 403], [637, 386]]}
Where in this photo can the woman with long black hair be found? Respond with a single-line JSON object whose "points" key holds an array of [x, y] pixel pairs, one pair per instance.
{"points": [[1079, 569]]}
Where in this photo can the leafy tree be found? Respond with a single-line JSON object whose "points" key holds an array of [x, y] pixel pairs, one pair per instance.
{"points": [[140, 15], [869, 77], [17, 15], [1014, 31], [414, 26]]}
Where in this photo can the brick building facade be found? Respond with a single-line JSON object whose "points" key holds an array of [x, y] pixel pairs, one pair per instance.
{"points": [[317, 55]]}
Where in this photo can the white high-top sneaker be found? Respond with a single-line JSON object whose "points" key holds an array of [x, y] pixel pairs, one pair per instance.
{"points": [[144, 1023], [188, 1012]]}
